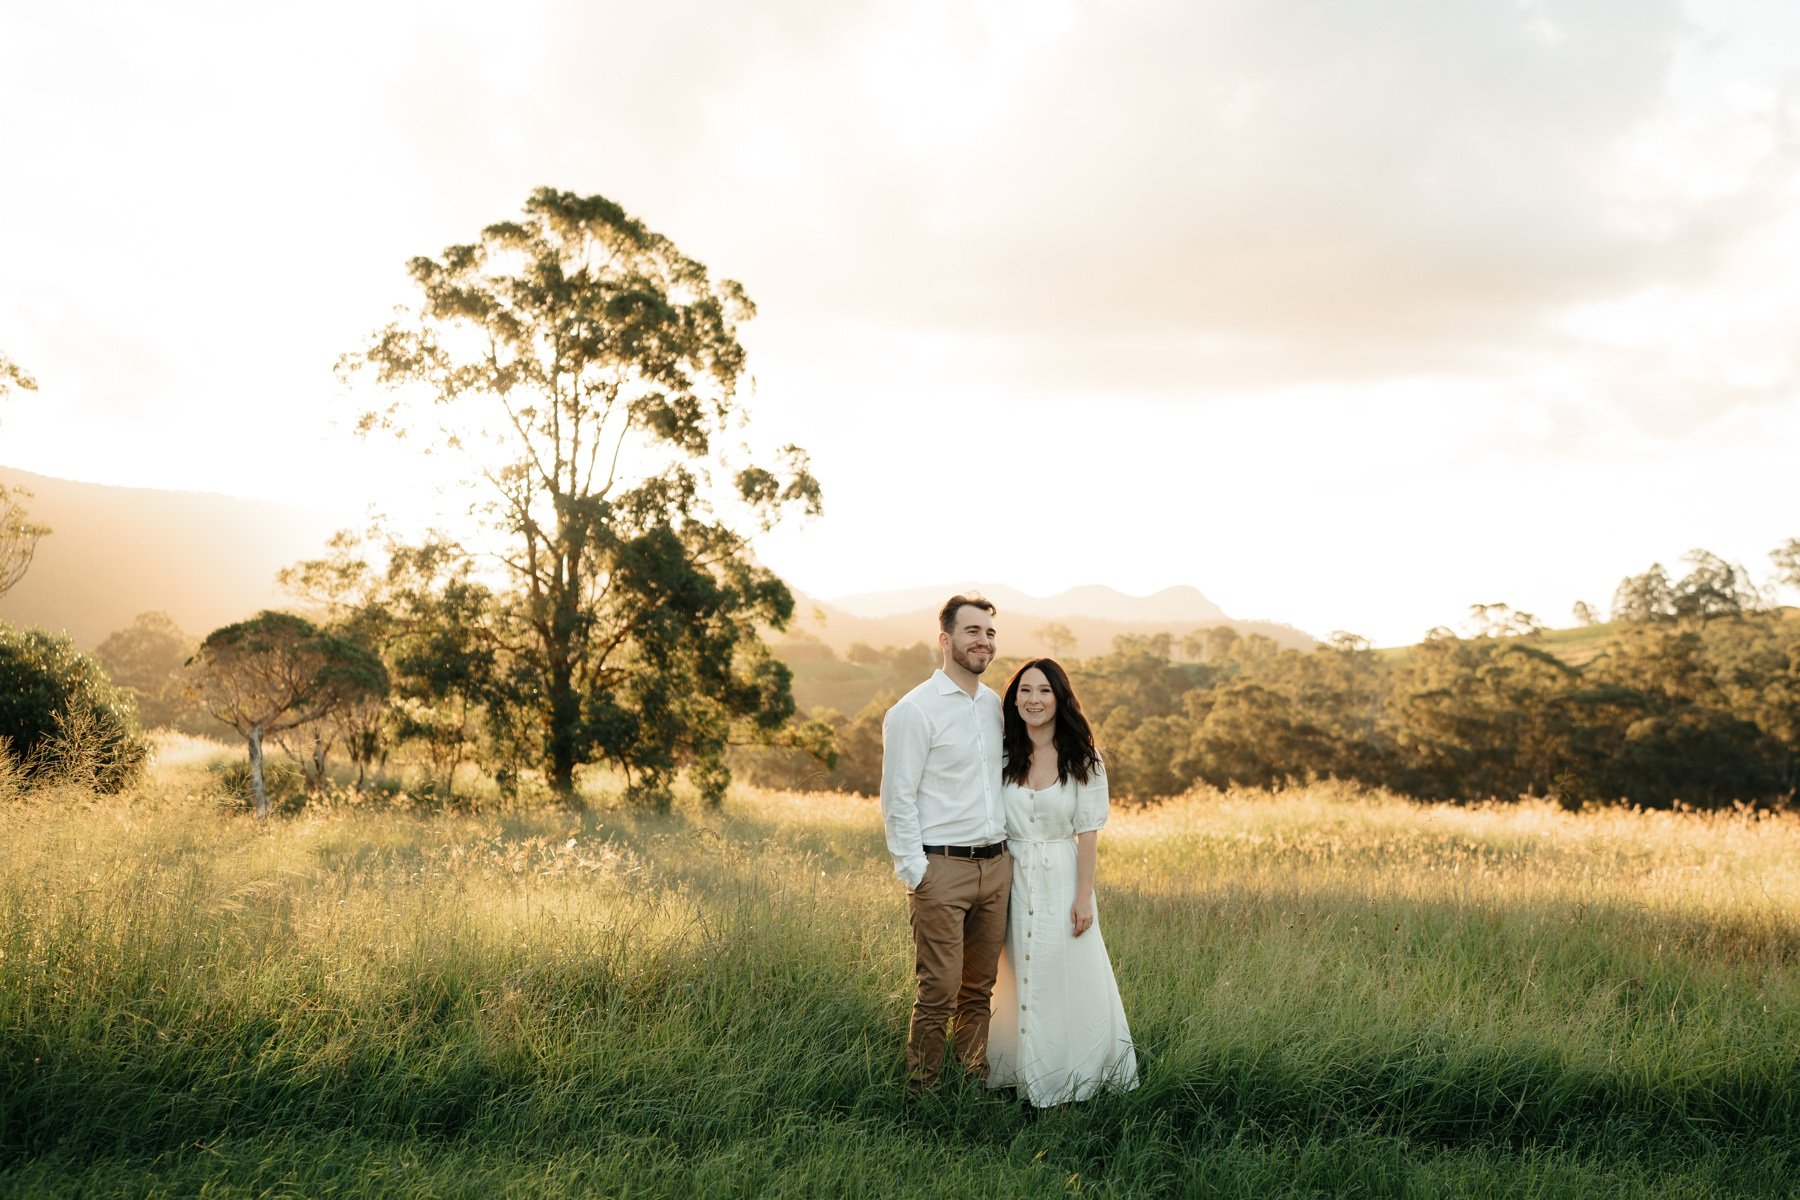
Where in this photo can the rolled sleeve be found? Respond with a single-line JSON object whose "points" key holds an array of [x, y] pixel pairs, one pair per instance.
{"points": [[905, 741], [911, 872]]}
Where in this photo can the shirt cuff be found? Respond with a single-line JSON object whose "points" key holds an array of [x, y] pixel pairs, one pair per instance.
{"points": [[910, 870]]}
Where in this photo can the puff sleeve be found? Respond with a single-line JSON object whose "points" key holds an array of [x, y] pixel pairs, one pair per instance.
{"points": [[1092, 801]]}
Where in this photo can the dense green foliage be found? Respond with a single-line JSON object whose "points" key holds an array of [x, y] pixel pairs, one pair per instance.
{"points": [[60, 716], [1332, 995], [583, 373], [1690, 697], [1666, 713]]}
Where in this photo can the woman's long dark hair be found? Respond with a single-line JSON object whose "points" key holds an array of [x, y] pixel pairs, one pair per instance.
{"points": [[1074, 740]]}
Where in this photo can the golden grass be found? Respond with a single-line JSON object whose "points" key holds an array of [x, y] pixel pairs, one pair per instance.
{"points": [[1327, 985]]}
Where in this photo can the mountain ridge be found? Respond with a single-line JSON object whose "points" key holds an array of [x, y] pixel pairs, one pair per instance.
{"points": [[1181, 603], [208, 559], [818, 622], [113, 552]]}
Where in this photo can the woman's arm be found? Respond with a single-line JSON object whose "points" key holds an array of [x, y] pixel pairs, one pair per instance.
{"points": [[1087, 853]]}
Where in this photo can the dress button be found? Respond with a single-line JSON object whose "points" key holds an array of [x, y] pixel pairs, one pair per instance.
{"points": [[1023, 1007]]}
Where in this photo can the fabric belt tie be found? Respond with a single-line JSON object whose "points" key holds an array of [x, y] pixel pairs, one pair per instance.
{"points": [[987, 851]]}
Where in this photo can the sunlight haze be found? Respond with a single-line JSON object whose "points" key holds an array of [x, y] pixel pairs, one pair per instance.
{"points": [[1349, 315]]}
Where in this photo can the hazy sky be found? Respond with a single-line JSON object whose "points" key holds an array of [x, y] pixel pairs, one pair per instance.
{"points": [[1350, 314]]}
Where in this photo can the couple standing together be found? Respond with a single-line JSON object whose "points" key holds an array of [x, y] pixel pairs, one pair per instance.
{"points": [[993, 807]]}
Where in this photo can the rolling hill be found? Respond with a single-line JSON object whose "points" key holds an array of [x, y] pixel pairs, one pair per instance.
{"points": [[115, 552]]}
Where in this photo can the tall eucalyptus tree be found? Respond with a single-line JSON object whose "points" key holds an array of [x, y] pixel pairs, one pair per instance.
{"points": [[586, 373]]}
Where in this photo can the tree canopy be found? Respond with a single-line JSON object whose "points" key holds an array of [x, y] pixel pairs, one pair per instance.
{"points": [[276, 672], [585, 376], [1690, 696], [145, 660]]}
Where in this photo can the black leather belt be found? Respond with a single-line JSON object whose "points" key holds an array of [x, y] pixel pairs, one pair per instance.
{"points": [[987, 851]]}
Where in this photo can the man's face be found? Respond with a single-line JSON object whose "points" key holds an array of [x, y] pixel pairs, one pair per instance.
{"points": [[970, 641]]}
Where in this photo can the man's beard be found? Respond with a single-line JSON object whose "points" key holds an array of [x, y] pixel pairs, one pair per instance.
{"points": [[962, 660]]}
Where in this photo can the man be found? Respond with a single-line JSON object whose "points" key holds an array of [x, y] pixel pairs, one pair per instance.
{"points": [[946, 830]]}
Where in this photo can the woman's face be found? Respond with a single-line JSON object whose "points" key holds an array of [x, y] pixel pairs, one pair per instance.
{"points": [[1035, 701]]}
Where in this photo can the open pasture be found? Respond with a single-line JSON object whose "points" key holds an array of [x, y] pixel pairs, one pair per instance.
{"points": [[1334, 994]]}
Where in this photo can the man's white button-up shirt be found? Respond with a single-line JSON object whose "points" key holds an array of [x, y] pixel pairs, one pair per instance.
{"points": [[940, 772]]}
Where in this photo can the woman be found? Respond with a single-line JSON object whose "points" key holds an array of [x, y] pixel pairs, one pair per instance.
{"points": [[1059, 1031]]}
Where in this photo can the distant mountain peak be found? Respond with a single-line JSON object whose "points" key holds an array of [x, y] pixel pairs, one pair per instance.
{"points": [[1182, 604]]}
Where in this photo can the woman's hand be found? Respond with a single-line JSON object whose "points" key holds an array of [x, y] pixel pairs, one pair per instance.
{"points": [[1081, 913]]}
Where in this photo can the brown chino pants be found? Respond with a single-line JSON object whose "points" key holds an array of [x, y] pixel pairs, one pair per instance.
{"points": [[958, 915]]}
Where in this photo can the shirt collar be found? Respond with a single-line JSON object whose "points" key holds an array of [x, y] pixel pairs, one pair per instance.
{"points": [[946, 685]]}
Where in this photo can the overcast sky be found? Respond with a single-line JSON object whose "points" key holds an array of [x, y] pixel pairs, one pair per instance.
{"points": [[1350, 314]]}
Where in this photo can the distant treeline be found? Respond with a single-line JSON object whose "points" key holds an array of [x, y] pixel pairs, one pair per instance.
{"points": [[1690, 696]]}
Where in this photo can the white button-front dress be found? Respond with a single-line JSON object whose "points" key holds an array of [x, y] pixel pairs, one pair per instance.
{"points": [[1058, 1031]]}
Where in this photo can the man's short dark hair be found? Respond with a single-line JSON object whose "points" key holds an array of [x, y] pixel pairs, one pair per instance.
{"points": [[947, 614]]}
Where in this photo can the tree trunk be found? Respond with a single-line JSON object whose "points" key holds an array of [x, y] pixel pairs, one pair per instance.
{"points": [[254, 737], [565, 721], [562, 772], [318, 764], [560, 655]]}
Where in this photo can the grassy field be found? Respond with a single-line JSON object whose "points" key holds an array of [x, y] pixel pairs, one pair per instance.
{"points": [[1333, 994], [1577, 645]]}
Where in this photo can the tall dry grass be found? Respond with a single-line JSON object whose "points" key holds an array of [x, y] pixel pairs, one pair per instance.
{"points": [[1333, 992]]}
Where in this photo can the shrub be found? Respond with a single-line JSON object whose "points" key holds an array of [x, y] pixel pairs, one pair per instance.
{"points": [[62, 717], [283, 780]]}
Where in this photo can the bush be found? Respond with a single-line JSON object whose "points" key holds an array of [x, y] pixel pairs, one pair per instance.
{"points": [[63, 718], [283, 779]]}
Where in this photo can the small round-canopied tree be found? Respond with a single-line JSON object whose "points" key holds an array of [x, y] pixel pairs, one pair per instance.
{"points": [[145, 660], [276, 672]]}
